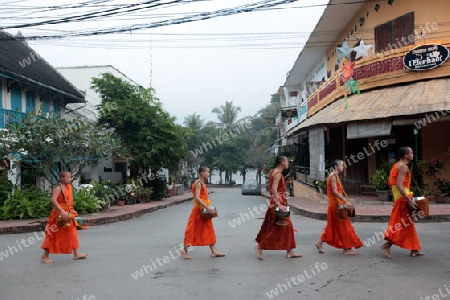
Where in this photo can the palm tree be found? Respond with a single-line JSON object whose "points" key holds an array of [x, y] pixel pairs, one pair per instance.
{"points": [[227, 113], [193, 122]]}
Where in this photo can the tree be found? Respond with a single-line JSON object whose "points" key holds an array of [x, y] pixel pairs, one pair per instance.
{"points": [[196, 127], [51, 144], [227, 113], [150, 134]]}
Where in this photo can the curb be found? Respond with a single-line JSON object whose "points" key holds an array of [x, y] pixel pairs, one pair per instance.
{"points": [[364, 218], [39, 225], [131, 215]]}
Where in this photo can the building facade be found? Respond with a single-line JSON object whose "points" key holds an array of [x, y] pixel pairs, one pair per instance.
{"points": [[397, 56], [115, 169], [28, 83]]}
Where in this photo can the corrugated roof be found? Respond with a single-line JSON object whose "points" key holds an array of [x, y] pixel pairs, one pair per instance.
{"points": [[20, 62], [403, 100]]}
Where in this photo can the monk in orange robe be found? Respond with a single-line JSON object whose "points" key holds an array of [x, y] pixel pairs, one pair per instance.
{"points": [[61, 239], [199, 230], [401, 230], [338, 233], [275, 234]]}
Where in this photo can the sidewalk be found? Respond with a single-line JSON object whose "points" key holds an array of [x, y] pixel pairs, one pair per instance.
{"points": [[113, 214], [364, 213]]}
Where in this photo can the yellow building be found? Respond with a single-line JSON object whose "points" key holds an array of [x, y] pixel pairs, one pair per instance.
{"points": [[398, 51]]}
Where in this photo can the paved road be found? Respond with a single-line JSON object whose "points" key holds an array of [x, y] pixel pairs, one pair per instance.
{"points": [[119, 251]]}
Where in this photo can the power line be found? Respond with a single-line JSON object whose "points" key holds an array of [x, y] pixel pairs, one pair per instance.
{"points": [[197, 17]]}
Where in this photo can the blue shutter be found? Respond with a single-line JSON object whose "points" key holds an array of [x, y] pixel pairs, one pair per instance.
{"points": [[30, 101], [56, 106], [45, 105], [16, 100]]}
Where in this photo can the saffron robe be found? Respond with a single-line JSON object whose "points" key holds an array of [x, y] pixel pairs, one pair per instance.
{"points": [[199, 231], [272, 236], [401, 230], [61, 239], [338, 233]]}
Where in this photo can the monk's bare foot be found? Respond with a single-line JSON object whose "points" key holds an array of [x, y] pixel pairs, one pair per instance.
{"points": [[387, 250], [292, 254], [259, 252], [46, 260], [217, 254], [350, 252], [415, 253], [185, 254], [319, 247]]}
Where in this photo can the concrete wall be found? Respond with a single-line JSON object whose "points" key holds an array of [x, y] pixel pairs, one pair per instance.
{"points": [[305, 191]]}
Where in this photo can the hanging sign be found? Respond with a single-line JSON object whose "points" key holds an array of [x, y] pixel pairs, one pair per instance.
{"points": [[289, 113], [425, 57]]}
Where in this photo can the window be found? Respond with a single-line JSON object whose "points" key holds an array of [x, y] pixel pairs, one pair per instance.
{"points": [[395, 33]]}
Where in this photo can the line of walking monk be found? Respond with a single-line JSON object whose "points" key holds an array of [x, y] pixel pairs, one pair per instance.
{"points": [[274, 234], [277, 235]]}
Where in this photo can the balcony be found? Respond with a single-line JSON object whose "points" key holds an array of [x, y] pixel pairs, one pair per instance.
{"points": [[9, 116], [373, 72]]}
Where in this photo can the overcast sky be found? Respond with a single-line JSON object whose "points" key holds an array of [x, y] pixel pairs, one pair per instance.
{"points": [[193, 67]]}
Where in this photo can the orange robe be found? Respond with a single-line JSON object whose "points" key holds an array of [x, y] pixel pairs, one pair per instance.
{"points": [[338, 233], [272, 236], [401, 230], [61, 239], [199, 231]]}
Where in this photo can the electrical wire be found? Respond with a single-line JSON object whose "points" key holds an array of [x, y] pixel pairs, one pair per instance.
{"points": [[193, 18]]}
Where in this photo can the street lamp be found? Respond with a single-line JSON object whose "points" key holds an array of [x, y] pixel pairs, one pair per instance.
{"points": [[416, 133]]}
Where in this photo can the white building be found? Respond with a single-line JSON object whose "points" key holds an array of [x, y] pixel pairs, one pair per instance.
{"points": [[81, 77]]}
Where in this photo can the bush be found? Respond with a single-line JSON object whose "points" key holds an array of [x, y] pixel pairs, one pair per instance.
{"points": [[102, 192], [26, 202], [158, 186], [444, 186], [5, 187], [84, 201], [380, 179]]}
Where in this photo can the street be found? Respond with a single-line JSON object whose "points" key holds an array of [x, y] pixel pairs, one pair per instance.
{"points": [[139, 259]]}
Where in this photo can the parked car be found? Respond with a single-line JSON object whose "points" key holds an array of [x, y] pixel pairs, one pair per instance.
{"points": [[251, 187]]}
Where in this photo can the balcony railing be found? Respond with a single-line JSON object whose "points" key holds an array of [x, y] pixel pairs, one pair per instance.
{"points": [[374, 72], [9, 116]]}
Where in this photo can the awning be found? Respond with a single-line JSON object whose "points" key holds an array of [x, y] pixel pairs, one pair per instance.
{"points": [[359, 130], [405, 100]]}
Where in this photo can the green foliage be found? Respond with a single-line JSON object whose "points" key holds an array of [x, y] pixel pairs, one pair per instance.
{"points": [[102, 192], [47, 140], [150, 133], [5, 186], [24, 203], [380, 179], [227, 114], [158, 187], [443, 185], [320, 184], [85, 201]]}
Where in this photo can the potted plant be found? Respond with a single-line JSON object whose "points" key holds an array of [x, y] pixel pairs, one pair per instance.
{"points": [[430, 170], [320, 185], [380, 181], [444, 187]]}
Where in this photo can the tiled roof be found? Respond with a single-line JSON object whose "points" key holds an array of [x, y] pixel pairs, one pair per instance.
{"points": [[20, 62]]}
